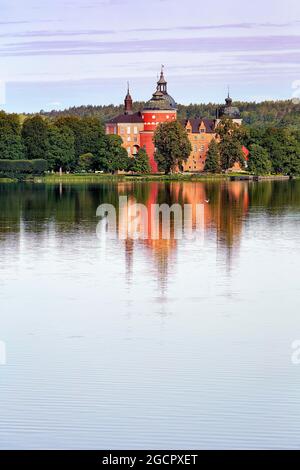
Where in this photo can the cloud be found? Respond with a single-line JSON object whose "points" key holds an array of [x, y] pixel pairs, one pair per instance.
{"points": [[100, 32], [194, 45], [204, 27], [56, 33]]}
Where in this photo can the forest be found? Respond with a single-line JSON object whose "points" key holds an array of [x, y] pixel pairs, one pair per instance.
{"points": [[267, 113], [74, 140]]}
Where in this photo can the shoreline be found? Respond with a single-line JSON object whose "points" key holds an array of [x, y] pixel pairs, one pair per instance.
{"points": [[101, 178]]}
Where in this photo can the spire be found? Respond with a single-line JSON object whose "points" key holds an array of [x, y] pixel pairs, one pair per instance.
{"points": [[162, 83], [228, 100], [128, 102]]}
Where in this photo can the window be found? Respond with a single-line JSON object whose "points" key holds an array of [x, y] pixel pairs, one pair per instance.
{"points": [[135, 139], [128, 139], [195, 148], [129, 151], [128, 130], [135, 130], [122, 130], [168, 117], [202, 148], [202, 130]]}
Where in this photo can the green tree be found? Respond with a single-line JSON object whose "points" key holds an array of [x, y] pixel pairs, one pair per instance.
{"points": [[275, 141], [113, 156], [88, 132], [212, 163], [293, 151], [140, 163], [230, 146], [35, 137], [87, 162], [61, 153], [11, 147], [259, 161], [172, 146]]}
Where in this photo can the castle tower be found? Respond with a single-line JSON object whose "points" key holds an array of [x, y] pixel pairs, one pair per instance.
{"points": [[228, 111], [159, 109], [128, 102]]}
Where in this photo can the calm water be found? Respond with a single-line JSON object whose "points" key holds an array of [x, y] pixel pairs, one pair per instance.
{"points": [[140, 344]]}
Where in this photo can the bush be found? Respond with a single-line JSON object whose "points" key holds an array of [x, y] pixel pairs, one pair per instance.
{"points": [[17, 168]]}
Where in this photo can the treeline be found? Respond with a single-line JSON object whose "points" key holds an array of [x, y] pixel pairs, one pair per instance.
{"points": [[276, 113], [272, 150], [69, 143]]}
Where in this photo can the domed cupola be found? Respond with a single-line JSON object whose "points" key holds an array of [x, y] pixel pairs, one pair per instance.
{"points": [[161, 100], [228, 110]]}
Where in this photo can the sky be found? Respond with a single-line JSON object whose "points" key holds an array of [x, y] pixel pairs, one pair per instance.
{"points": [[60, 53]]}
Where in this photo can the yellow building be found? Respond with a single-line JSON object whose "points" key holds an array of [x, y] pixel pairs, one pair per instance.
{"points": [[200, 133]]}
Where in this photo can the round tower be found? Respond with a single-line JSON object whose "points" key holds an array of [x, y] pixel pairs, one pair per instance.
{"points": [[159, 109]]}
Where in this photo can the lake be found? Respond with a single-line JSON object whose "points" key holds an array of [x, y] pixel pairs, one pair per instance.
{"points": [[157, 344]]}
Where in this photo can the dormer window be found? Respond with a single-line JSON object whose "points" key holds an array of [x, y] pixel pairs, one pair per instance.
{"points": [[202, 129]]}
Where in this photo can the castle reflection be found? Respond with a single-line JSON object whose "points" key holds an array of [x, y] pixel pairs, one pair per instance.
{"points": [[69, 212], [225, 206]]}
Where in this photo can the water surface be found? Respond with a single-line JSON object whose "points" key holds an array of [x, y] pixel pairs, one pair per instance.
{"points": [[150, 344]]}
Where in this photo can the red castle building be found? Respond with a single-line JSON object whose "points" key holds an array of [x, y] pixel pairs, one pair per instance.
{"points": [[137, 129]]}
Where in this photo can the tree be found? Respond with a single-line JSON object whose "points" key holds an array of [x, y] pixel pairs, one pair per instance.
{"points": [[87, 162], [35, 137], [212, 163], [259, 160], [275, 140], [230, 146], [172, 146], [88, 132], [140, 163], [113, 156], [292, 166], [61, 153], [11, 147]]}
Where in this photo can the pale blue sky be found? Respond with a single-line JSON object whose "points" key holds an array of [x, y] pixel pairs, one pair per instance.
{"points": [[55, 54]]}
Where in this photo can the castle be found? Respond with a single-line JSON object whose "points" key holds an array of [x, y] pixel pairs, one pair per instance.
{"points": [[137, 129]]}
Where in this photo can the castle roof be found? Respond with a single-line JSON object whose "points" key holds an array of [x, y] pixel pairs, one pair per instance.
{"points": [[196, 123], [135, 118], [161, 100]]}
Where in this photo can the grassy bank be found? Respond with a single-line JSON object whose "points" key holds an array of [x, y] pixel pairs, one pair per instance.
{"points": [[79, 178], [7, 180], [100, 178]]}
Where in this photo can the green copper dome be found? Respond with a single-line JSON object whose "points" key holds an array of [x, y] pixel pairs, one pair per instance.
{"points": [[228, 110], [161, 100]]}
